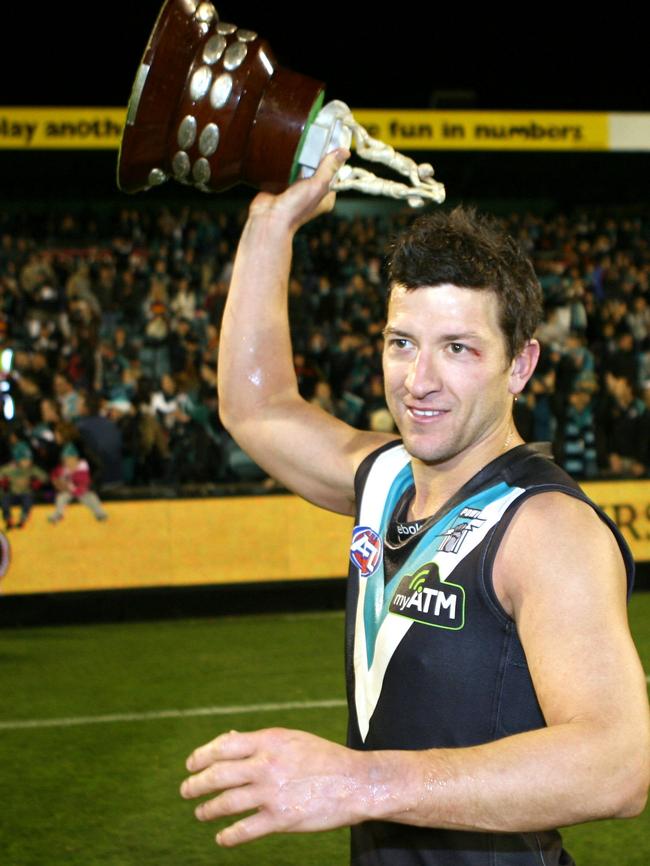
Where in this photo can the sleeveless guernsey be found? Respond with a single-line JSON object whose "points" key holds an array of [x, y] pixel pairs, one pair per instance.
{"points": [[433, 660]]}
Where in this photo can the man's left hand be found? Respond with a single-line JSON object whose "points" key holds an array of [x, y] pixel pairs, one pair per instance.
{"points": [[295, 782]]}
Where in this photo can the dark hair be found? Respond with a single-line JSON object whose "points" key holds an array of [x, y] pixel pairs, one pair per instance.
{"points": [[471, 251]]}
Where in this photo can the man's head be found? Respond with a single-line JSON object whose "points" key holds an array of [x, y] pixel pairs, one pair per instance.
{"points": [[472, 251], [460, 348]]}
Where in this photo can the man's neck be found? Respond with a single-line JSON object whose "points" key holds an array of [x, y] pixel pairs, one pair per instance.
{"points": [[435, 483]]}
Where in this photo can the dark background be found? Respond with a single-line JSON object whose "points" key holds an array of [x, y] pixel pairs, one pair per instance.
{"points": [[81, 54], [77, 53]]}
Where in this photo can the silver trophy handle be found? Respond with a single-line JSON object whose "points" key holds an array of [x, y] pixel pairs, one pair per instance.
{"points": [[334, 127]]}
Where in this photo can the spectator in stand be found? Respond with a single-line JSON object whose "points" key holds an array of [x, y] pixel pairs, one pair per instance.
{"points": [[192, 367], [576, 447], [541, 390], [306, 374], [102, 441], [72, 480], [375, 399], [215, 300], [105, 289], [129, 384], [28, 399], [122, 414], [627, 423], [42, 373], [155, 349], [183, 304], [165, 404], [18, 481], [130, 298], [178, 345], [211, 345], [79, 288], [323, 397], [151, 448], [42, 435], [638, 320], [84, 320], [623, 362], [67, 397], [125, 349], [109, 369], [595, 271]]}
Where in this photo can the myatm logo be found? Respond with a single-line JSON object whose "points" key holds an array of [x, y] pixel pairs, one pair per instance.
{"points": [[423, 597]]}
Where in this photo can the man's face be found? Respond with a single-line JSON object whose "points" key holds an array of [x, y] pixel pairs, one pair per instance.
{"points": [[449, 385]]}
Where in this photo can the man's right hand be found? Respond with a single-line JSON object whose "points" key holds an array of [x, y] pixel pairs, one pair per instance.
{"points": [[305, 199]]}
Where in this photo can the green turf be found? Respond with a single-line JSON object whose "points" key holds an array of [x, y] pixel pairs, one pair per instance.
{"points": [[108, 793]]}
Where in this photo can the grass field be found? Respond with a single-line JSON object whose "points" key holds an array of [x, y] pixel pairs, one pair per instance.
{"points": [[96, 723]]}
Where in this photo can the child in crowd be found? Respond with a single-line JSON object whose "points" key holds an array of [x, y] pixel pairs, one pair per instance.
{"points": [[18, 480], [72, 479]]}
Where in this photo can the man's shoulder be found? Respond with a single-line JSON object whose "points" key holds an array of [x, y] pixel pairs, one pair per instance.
{"points": [[559, 512], [386, 461], [559, 544], [553, 504], [532, 467], [554, 534]]}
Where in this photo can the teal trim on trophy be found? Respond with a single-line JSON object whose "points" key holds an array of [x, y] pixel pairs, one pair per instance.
{"points": [[313, 114]]}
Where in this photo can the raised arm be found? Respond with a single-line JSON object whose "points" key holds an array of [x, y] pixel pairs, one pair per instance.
{"points": [[561, 574], [308, 450]]}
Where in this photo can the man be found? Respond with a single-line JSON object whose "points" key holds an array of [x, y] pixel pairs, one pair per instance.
{"points": [[494, 689], [102, 440]]}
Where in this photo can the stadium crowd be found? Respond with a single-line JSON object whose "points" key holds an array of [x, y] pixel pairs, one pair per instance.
{"points": [[109, 329]]}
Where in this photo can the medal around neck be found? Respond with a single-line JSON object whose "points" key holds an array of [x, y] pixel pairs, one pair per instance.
{"points": [[211, 107]]}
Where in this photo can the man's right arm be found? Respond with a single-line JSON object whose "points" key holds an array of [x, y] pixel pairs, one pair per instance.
{"points": [[303, 447]]}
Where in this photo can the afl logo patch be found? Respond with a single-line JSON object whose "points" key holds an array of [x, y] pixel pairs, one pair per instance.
{"points": [[366, 550]]}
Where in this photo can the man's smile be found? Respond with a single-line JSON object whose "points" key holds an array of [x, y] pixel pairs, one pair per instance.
{"points": [[422, 414]]}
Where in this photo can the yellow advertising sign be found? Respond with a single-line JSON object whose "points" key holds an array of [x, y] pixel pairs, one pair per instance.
{"points": [[487, 130], [177, 543], [91, 128], [174, 543], [628, 504], [61, 128]]}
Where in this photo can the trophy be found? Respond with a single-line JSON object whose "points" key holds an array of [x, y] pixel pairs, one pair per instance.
{"points": [[211, 107]]}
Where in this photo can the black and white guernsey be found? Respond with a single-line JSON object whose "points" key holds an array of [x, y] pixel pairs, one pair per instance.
{"points": [[433, 660]]}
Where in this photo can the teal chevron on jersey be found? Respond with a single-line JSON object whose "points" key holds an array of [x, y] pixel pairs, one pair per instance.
{"points": [[378, 595], [374, 596]]}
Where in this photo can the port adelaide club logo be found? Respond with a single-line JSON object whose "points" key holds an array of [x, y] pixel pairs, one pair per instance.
{"points": [[366, 550], [467, 521]]}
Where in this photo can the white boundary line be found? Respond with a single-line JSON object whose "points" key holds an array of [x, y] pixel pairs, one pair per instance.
{"points": [[169, 714], [235, 709]]}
